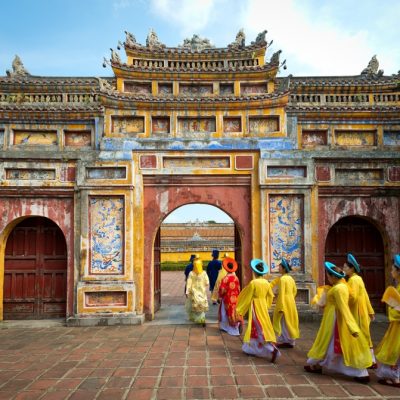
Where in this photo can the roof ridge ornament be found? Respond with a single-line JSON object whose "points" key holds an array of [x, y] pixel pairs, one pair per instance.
{"points": [[18, 68], [152, 40], [196, 43], [105, 86], [260, 39], [373, 68], [115, 58], [239, 42]]}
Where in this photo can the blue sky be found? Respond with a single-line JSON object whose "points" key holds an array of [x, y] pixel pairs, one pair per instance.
{"points": [[70, 38], [194, 212]]}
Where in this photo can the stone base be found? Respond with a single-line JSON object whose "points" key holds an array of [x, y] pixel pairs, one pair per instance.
{"points": [[105, 320]]}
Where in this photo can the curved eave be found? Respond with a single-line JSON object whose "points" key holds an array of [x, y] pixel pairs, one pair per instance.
{"points": [[344, 84], [345, 112], [178, 53], [269, 72], [217, 103]]}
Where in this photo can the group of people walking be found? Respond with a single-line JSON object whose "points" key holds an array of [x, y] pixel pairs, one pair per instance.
{"points": [[343, 343]]}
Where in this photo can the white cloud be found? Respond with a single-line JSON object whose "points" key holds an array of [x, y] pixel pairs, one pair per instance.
{"points": [[188, 16], [311, 44]]}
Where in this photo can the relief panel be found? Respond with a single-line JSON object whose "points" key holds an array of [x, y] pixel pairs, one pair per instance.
{"points": [[160, 125], [358, 176], [30, 174], [199, 162], [263, 125], [192, 125], [226, 89], [165, 89], [312, 138], [286, 230], [355, 138], [286, 172], [106, 235], [137, 87], [127, 124], [195, 90], [232, 124], [253, 88], [35, 138], [77, 138], [391, 138], [106, 173], [101, 299]]}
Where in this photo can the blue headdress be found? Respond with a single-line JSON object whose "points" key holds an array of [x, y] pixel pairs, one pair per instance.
{"points": [[396, 261], [351, 260], [286, 265], [330, 268], [259, 266]]}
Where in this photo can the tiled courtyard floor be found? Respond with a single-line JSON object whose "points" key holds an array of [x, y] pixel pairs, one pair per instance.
{"points": [[167, 361]]}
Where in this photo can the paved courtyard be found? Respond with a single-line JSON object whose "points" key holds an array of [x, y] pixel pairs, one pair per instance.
{"points": [[165, 359]]}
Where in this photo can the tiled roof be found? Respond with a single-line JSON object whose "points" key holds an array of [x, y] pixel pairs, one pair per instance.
{"points": [[342, 108]]}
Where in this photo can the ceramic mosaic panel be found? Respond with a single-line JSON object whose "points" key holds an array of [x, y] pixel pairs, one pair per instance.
{"points": [[137, 87], [165, 88], [35, 138], [199, 162], [191, 125], [160, 125], [226, 89], [195, 90], [101, 299], [30, 174], [311, 138], [106, 173], [286, 230], [391, 138], [355, 138], [286, 172], [263, 125], [106, 231], [77, 138], [253, 88], [358, 176], [128, 124], [232, 124]]}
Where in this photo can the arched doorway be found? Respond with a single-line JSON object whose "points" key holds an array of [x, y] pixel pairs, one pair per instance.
{"points": [[361, 238], [192, 229], [35, 271]]}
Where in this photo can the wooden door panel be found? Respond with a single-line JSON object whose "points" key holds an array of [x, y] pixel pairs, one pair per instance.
{"points": [[359, 237], [157, 271], [35, 274]]}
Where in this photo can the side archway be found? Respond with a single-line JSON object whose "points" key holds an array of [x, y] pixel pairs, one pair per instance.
{"points": [[360, 237], [35, 270]]}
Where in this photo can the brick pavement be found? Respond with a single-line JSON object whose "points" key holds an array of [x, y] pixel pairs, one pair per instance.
{"points": [[161, 362]]}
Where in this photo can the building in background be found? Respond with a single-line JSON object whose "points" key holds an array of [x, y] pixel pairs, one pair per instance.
{"points": [[308, 168], [180, 240]]}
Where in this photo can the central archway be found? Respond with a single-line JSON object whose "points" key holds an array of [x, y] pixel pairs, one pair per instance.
{"points": [[190, 229], [162, 194]]}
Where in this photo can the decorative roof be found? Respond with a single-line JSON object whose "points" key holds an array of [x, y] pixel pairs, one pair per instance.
{"points": [[194, 44]]}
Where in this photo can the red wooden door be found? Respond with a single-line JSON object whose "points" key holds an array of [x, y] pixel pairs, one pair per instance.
{"points": [[157, 271], [238, 254], [359, 237], [35, 273]]}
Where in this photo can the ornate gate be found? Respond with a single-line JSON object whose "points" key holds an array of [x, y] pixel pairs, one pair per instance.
{"points": [[363, 240], [35, 273]]}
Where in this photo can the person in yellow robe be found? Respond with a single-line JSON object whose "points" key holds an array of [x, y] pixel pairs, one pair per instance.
{"points": [[339, 346], [255, 300], [359, 303], [196, 293], [285, 318], [388, 350]]}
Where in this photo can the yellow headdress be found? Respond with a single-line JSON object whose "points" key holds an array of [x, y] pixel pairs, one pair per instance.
{"points": [[197, 266]]}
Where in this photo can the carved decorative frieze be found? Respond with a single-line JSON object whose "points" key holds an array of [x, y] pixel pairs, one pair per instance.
{"points": [[78, 139], [160, 125], [26, 174], [347, 176], [193, 125], [34, 138], [232, 124], [137, 87], [189, 89], [106, 173], [391, 138], [253, 88], [286, 172], [127, 124], [263, 125], [101, 299], [355, 137], [198, 162], [314, 137]]}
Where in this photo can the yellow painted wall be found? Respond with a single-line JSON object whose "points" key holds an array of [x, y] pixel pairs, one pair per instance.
{"points": [[177, 257]]}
